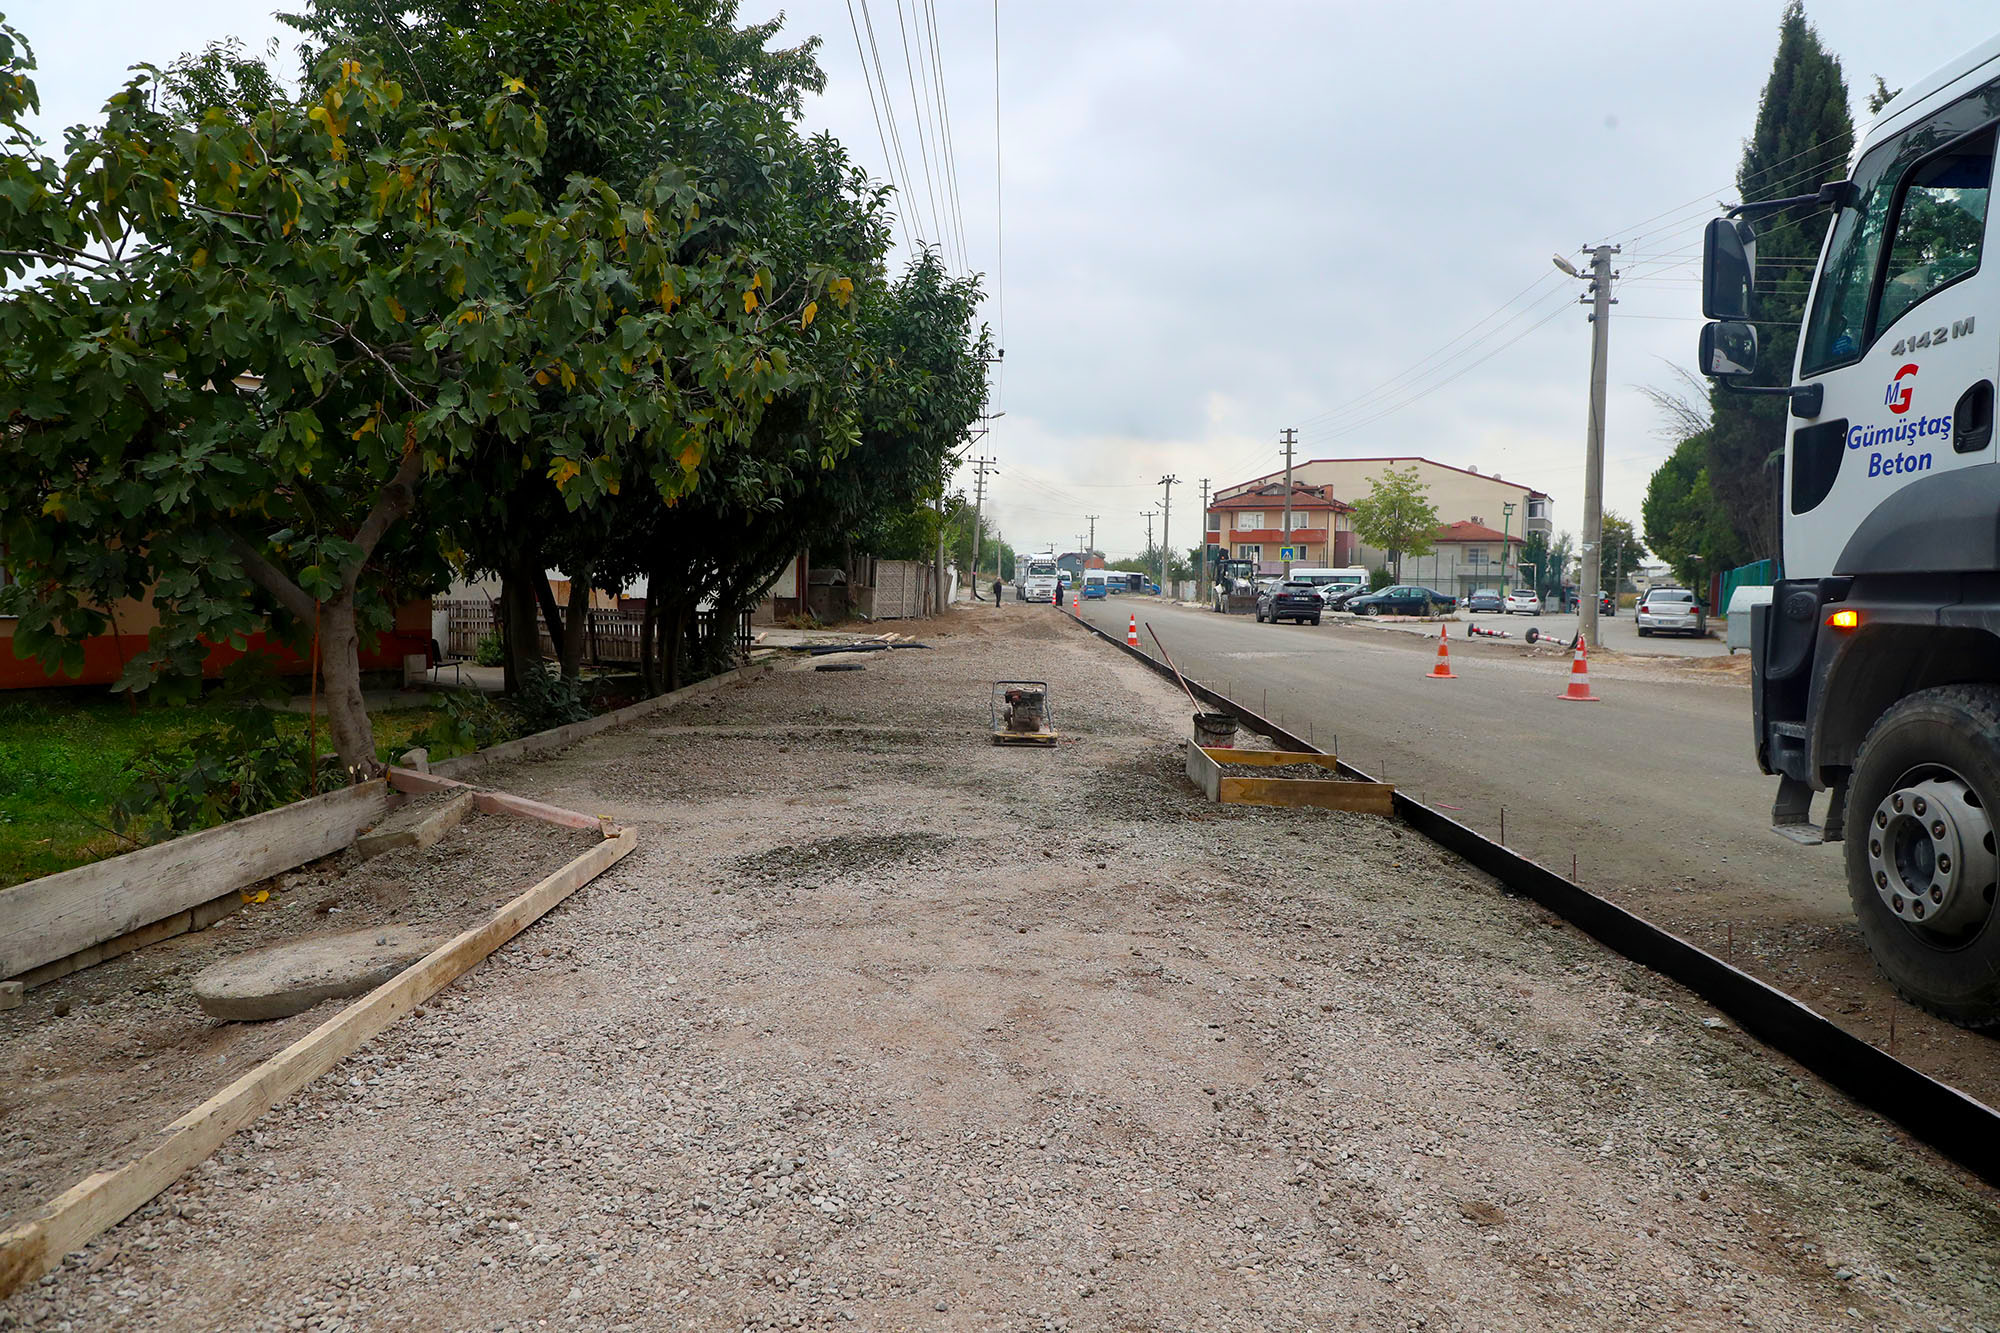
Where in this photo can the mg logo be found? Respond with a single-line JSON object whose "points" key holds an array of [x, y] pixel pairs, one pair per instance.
{"points": [[1898, 396]]}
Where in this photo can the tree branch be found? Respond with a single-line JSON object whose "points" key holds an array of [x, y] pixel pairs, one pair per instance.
{"points": [[272, 579], [394, 501]]}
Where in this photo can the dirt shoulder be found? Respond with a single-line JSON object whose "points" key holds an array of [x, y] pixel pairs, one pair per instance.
{"points": [[887, 1026]]}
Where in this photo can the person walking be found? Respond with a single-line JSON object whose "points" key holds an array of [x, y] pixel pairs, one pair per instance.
{"points": [[997, 587]]}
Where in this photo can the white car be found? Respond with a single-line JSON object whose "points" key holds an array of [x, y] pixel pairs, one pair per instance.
{"points": [[1669, 611], [1522, 599]]}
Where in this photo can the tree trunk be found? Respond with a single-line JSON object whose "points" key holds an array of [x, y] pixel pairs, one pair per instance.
{"points": [[676, 634], [520, 630], [340, 670], [649, 668], [575, 627]]}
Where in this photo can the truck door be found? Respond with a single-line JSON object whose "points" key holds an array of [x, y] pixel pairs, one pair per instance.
{"points": [[1901, 332]]}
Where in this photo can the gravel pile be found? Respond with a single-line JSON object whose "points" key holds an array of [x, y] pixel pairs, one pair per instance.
{"points": [[886, 1027]]}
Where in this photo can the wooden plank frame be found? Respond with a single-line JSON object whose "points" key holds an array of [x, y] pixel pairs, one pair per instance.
{"points": [[100, 1201], [59, 915], [1207, 768]]}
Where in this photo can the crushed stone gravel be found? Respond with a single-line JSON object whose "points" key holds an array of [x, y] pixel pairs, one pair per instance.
{"points": [[886, 1027]]}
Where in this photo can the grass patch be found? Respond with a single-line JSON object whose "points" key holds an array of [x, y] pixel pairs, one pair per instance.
{"points": [[63, 765]]}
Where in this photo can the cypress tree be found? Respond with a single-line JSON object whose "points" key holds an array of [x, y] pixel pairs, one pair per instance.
{"points": [[1804, 136]]}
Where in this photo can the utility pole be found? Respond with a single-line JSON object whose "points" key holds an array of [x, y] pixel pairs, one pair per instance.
{"points": [[1201, 574], [1599, 298], [1166, 513], [1091, 545], [980, 467], [1285, 538], [1148, 516]]}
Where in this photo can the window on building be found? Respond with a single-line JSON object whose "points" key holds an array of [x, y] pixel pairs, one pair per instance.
{"points": [[1475, 555], [1538, 509], [1250, 551], [1249, 518]]}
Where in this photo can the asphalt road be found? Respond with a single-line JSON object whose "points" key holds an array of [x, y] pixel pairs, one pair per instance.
{"points": [[1654, 791]]}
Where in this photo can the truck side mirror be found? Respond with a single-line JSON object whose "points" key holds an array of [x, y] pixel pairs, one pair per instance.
{"points": [[1729, 270], [1728, 348]]}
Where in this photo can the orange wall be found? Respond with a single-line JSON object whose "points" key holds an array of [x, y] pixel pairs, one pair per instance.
{"points": [[104, 656]]}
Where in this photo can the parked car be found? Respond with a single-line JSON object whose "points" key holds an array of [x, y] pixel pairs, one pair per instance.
{"points": [[1289, 601], [1341, 599], [1404, 599], [1524, 600], [1669, 611], [1486, 600]]}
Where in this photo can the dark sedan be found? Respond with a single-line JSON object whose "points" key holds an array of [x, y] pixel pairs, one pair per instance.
{"points": [[1289, 601], [1405, 599], [1486, 599]]}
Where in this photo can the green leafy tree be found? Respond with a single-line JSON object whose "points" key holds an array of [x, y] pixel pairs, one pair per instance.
{"points": [[243, 356], [1621, 554], [1684, 526], [1397, 516], [1803, 136], [632, 89]]}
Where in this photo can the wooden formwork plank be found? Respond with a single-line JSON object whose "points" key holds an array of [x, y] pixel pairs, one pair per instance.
{"points": [[1367, 798], [87, 1208], [1270, 758], [1208, 768], [58, 915]]}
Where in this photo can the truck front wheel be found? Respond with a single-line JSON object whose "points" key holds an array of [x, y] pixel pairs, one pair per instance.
{"points": [[1921, 863]]}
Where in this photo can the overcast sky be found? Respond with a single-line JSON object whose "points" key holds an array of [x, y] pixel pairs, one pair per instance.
{"points": [[1221, 221]]}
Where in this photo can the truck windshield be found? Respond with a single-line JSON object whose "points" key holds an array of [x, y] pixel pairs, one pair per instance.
{"points": [[1948, 191]]}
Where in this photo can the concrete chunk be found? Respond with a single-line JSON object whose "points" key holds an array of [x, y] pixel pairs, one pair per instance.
{"points": [[288, 979]]}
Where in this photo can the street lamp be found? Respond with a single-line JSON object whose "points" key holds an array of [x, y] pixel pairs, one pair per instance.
{"points": [[1506, 526]]}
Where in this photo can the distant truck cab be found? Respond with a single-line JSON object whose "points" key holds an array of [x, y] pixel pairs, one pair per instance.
{"points": [[1876, 664]]}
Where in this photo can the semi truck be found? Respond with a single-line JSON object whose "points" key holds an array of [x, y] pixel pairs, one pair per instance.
{"points": [[1876, 664], [1037, 579]]}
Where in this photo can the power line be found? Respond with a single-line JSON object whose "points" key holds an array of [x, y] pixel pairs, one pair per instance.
{"points": [[999, 219], [950, 145], [1398, 406], [889, 114], [888, 163], [923, 146], [1403, 379]]}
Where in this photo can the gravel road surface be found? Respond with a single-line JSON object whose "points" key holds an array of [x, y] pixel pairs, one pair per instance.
{"points": [[1654, 791], [886, 1027]]}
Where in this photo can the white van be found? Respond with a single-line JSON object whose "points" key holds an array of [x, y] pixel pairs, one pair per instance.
{"points": [[1330, 581], [1093, 583]]}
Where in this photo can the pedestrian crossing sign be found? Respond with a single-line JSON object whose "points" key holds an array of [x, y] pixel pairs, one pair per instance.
{"points": [[1289, 553]]}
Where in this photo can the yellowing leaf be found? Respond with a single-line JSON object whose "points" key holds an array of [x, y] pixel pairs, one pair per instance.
{"points": [[541, 377], [53, 506], [843, 290], [199, 259], [565, 471], [749, 301], [514, 85], [469, 316], [690, 458], [668, 297], [806, 315], [396, 309]]}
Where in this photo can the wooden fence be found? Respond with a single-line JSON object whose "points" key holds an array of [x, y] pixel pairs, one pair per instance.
{"points": [[612, 636]]}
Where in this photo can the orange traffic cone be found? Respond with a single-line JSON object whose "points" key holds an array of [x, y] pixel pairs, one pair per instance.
{"points": [[1132, 633], [1579, 676], [1442, 671], [1075, 603]]}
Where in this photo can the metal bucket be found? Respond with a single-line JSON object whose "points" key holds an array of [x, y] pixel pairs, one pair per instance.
{"points": [[1215, 731]]}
